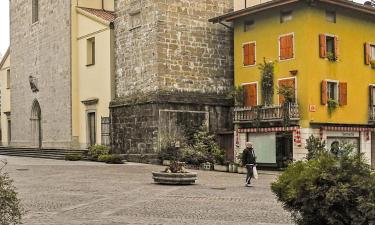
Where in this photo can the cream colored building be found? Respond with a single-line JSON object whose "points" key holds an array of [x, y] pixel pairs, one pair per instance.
{"points": [[5, 88]]}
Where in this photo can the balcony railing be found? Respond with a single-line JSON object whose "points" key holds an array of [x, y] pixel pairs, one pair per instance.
{"points": [[371, 114], [266, 113]]}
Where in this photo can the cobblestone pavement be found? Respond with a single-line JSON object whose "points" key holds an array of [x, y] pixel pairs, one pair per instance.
{"points": [[59, 192]]}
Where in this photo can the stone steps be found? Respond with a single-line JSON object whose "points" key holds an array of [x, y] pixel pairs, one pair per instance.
{"points": [[58, 154]]}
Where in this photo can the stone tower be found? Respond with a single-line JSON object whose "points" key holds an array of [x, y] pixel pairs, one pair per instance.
{"points": [[173, 70]]}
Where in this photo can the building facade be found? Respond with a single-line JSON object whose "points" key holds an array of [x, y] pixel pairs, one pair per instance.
{"points": [[324, 52], [5, 111], [61, 72], [173, 70]]}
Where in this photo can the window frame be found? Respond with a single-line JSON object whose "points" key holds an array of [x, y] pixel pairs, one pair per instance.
{"points": [[257, 87], [90, 51], [373, 93], [331, 13], [285, 13], [294, 46], [8, 79], [372, 50], [255, 54], [295, 88], [337, 91]]}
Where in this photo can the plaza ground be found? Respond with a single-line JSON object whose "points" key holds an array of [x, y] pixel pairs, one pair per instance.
{"points": [[60, 192]]}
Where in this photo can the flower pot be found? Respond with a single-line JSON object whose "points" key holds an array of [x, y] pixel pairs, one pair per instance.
{"points": [[221, 168]]}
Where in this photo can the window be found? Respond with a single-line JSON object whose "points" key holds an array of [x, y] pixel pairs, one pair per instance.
{"points": [[372, 95], [372, 52], [369, 54], [135, 20], [331, 16], [329, 47], [334, 90], [286, 47], [249, 54], [91, 121], [286, 16], [91, 51], [8, 79], [248, 25], [250, 92], [35, 11], [289, 83]]}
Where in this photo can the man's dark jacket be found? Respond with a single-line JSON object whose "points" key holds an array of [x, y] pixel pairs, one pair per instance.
{"points": [[248, 156]]}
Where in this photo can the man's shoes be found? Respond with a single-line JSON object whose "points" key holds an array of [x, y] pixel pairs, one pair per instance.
{"points": [[248, 185]]}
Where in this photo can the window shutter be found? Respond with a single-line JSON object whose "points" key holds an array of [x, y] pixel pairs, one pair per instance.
{"points": [[324, 92], [371, 96], [250, 95], [282, 48], [291, 46], [343, 89], [337, 49], [286, 47], [367, 53], [252, 54], [322, 46], [246, 57]]}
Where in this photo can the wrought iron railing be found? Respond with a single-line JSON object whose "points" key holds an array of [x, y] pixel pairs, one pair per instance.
{"points": [[266, 113]]}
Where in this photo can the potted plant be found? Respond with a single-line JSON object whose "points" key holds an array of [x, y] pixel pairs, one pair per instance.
{"points": [[372, 63], [220, 164], [331, 57], [175, 172], [332, 105]]}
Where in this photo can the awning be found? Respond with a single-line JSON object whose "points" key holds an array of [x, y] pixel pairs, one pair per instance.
{"points": [[348, 129], [267, 129]]}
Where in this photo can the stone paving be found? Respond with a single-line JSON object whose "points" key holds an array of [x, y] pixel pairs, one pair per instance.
{"points": [[59, 192]]}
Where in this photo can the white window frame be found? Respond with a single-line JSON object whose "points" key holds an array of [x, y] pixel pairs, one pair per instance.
{"points": [[337, 89], [255, 82], [333, 36], [294, 46], [243, 54], [372, 50], [295, 88]]}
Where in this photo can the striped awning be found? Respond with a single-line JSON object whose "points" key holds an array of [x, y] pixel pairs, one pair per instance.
{"points": [[267, 129], [348, 129]]}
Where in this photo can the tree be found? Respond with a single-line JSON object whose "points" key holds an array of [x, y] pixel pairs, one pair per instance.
{"points": [[328, 189], [10, 209], [267, 70]]}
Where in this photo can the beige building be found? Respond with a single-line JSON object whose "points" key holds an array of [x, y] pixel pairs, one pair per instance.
{"points": [[5, 86], [62, 73]]}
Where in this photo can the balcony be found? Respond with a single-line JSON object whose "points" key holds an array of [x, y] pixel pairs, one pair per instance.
{"points": [[274, 113]]}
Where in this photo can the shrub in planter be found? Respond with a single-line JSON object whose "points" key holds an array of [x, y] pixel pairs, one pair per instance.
{"points": [[73, 157], [10, 209], [104, 158], [111, 159], [328, 189], [96, 150]]}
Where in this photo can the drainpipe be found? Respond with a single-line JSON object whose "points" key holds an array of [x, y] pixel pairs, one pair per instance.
{"points": [[103, 5]]}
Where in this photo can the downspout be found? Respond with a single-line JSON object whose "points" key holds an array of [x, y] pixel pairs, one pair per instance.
{"points": [[103, 5]]}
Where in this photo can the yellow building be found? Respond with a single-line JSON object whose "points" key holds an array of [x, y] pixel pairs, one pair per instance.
{"points": [[92, 73], [5, 86], [324, 50]]}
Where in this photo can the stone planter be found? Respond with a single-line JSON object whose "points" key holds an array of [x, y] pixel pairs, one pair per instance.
{"points": [[174, 178], [221, 168], [242, 170], [233, 168], [166, 162]]}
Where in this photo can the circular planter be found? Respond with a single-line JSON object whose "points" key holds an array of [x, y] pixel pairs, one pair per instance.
{"points": [[174, 178]]}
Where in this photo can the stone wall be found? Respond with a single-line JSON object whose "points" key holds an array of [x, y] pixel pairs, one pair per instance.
{"points": [[170, 45], [41, 50], [141, 128]]}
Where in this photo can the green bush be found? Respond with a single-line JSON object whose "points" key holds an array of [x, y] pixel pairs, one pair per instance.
{"points": [[73, 157], [10, 209], [315, 146], [328, 189], [111, 159], [96, 150], [170, 152]]}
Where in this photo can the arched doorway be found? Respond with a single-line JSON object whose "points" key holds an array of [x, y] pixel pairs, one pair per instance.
{"points": [[36, 124]]}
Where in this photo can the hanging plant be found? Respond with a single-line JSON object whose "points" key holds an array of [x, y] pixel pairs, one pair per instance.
{"points": [[331, 57], [332, 106], [267, 70]]}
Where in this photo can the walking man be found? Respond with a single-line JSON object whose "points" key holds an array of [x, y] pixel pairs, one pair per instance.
{"points": [[249, 160]]}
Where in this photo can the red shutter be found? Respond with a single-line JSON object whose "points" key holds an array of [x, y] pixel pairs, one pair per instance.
{"points": [[343, 93], [337, 50], [252, 53], [286, 47], [285, 83], [250, 95], [324, 96], [290, 46], [367, 53], [282, 48], [246, 56], [371, 94], [322, 46]]}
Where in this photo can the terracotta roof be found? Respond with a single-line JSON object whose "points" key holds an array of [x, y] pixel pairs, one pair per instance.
{"points": [[105, 15], [277, 3]]}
